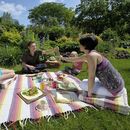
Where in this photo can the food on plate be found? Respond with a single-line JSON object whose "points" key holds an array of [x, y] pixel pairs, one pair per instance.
{"points": [[52, 58], [30, 92]]}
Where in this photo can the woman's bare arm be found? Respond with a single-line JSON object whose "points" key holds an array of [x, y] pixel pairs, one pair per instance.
{"points": [[92, 63], [75, 59]]}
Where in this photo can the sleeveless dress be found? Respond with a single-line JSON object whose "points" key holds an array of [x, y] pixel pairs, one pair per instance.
{"points": [[109, 77]]}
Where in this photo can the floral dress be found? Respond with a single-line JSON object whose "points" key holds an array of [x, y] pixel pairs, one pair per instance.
{"points": [[109, 77]]}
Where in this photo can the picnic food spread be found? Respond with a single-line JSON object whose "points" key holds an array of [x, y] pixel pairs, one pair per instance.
{"points": [[30, 92]]}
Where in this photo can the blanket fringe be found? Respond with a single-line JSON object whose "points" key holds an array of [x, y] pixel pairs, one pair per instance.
{"points": [[66, 115], [86, 109], [6, 128], [94, 108], [48, 118], [30, 121], [23, 123], [73, 114]]}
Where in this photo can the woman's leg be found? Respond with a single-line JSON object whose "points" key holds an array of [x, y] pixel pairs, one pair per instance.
{"points": [[6, 74]]}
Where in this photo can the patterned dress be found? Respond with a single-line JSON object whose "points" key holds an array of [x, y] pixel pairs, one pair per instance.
{"points": [[109, 77]]}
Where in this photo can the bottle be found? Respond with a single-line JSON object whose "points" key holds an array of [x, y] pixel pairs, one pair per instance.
{"points": [[42, 86]]}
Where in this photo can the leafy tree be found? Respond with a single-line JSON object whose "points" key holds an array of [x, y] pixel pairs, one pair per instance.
{"points": [[90, 15], [8, 22], [6, 18], [98, 15], [51, 14], [55, 32]]}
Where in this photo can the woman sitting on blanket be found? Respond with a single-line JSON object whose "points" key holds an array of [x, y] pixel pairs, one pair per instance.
{"points": [[98, 66], [6, 74], [34, 60]]}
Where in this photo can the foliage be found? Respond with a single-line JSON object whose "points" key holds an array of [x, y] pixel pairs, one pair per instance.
{"points": [[48, 44], [27, 35], [90, 15], [111, 36], [124, 44], [104, 47], [122, 54], [10, 56], [55, 32], [51, 14], [8, 22], [67, 44], [72, 32], [108, 34], [98, 15], [11, 37]]}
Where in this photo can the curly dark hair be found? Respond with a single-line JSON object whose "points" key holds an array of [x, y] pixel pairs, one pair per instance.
{"points": [[30, 43], [89, 41]]}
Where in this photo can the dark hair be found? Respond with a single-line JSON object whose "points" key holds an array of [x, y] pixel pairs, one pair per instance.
{"points": [[30, 43], [89, 41]]}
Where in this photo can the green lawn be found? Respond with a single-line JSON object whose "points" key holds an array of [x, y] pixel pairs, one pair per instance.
{"points": [[92, 120]]}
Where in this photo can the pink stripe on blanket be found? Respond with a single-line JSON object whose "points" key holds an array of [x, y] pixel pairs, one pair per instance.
{"points": [[3, 94], [33, 113], [54, 109], [15, 108]]}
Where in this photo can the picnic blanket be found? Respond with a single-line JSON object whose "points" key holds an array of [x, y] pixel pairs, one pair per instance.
{"points": [[13, 108], [103, 98]]}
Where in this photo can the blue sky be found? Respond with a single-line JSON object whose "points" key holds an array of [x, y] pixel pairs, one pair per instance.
{"points": [[19, 8]]}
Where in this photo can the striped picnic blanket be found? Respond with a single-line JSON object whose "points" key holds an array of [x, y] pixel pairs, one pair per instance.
{"points": [[13, 108], [118, 104]]}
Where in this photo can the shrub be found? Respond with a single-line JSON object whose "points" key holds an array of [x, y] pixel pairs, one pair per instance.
{"points": [[104, 47], [67, 44], [49, 44], [124, 44], [111, 36], [56, 32], [10, 56], [122, 54], [11, 37], [27, 36]]}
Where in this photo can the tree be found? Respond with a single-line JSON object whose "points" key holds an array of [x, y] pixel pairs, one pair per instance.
{"points": [[8, 22], [6, 18], [51, 14], [90, 15], [120, 16]]}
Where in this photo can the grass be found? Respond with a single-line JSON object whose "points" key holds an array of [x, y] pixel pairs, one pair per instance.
{"points": [[92, 120]]}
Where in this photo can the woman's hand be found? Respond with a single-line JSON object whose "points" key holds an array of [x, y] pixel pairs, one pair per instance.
{"points": [[31, 67]]}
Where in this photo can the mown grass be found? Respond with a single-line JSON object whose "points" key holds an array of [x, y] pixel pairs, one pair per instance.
{"points": [[92, 120]]}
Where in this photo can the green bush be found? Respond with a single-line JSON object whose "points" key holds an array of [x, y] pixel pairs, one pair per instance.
{"points": [[11, 37], [67, 44], [122, 54], [48, 44], [124, 44], [10, 56], [56, 32], [104, 47], [111, 36], [27, 35]]}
